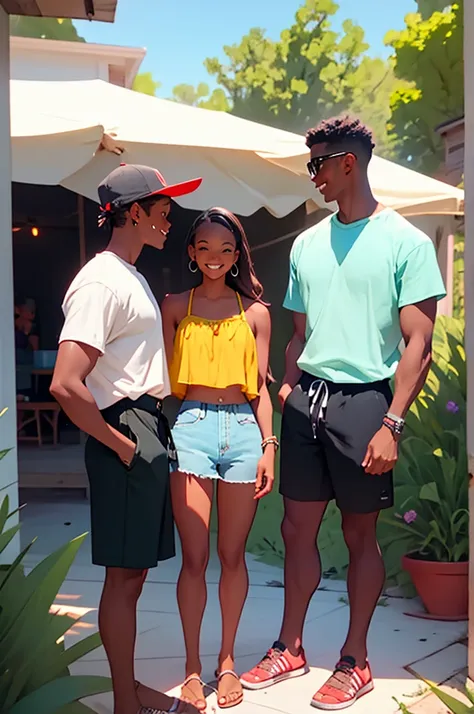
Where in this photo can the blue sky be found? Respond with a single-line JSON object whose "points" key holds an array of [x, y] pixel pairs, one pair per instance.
{"points": [[179, 37]]}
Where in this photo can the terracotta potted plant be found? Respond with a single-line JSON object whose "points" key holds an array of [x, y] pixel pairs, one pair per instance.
{"points": [[430, 522], [434, 518]]}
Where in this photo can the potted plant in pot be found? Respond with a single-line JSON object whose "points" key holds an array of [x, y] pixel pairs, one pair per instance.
{"points": [[435, 520], [431, 518]]}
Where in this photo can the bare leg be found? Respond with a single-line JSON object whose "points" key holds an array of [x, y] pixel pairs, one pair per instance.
{"points": [[120, 595], [192, 502], [300, 528], [237, 508], [365, 580], [117, 625]]}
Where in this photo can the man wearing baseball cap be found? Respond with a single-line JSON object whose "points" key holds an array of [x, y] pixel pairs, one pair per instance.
{"points": [[110, 378]]}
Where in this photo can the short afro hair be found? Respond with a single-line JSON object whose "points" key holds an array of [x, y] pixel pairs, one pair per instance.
{"points": [[343, 133]]}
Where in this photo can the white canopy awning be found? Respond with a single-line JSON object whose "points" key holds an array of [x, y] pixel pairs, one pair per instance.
{"points": [[73, 133], [404, 190]]}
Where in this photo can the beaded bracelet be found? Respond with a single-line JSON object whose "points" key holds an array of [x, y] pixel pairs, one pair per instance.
{"points": [[271, 440]]}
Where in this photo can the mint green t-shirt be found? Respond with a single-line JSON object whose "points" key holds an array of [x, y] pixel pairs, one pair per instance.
{"points": [[351, 281]]}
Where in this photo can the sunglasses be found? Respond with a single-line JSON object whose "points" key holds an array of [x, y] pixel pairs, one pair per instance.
{"points": [[315, 165]]}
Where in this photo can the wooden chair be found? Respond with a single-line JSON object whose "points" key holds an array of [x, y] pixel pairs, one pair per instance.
{"points": [[29, 412]]}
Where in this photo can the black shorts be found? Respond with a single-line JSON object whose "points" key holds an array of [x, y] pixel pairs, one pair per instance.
{"points": [[324, 440], [131, 516]]}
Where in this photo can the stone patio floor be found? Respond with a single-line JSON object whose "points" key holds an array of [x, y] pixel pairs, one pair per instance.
{"points": [[400, 646]]}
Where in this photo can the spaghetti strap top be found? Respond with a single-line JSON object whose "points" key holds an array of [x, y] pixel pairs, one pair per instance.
{"points": [[237, 295], [214, 353]]}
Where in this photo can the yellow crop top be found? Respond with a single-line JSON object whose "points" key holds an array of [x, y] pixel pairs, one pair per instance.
{"points": [[214, 353]]}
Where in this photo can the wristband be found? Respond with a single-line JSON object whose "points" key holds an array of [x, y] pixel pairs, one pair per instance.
{"points": [[395, 426], [395, 418]]}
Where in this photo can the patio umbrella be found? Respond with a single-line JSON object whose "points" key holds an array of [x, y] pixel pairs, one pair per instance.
{"points": [[74, 133]]}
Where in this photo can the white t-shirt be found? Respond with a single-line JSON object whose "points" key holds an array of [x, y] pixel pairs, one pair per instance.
{"points": [[109, 305]]}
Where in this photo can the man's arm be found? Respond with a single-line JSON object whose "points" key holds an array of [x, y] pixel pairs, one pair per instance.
{"points": [[74, 362], [171, 307], [292, 354], [417, 324]]}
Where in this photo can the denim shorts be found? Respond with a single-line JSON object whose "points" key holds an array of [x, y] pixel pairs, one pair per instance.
{"points": [[219, 441]]}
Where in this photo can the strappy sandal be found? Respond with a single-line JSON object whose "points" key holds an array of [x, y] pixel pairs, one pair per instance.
{"points": [[174, 708], [229, 703], [195, 678]]}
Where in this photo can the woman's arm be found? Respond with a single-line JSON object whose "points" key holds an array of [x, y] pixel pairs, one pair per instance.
{"points": [[262, 405]]}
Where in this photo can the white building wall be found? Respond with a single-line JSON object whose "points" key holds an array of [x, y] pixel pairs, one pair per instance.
{"points": [[52, 66], [8, 465]]}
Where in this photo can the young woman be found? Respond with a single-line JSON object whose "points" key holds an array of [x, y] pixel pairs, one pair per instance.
{"points": [[217, 339]]}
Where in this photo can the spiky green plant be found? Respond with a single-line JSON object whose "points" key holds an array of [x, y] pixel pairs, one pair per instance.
{"points": [[34, 662]]}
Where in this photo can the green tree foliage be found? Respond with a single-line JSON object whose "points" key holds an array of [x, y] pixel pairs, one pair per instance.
{"points": [[372, 85], [310, 73], [429, 55], [201, 96], [46, 28], [145, 84]]}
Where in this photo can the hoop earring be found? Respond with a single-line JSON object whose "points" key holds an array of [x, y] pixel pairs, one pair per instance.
{"points": [[193, 266], [234, 271]]}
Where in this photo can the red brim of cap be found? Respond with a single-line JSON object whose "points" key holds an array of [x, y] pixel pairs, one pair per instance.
{"points": [[179, 189]]}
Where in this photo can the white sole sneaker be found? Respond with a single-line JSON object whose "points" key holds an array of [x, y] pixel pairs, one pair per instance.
{"points": [[275, 680], [343, 705]]}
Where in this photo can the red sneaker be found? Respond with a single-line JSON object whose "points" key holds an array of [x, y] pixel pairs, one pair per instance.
{"points": [[344, 687], [277, 665]]}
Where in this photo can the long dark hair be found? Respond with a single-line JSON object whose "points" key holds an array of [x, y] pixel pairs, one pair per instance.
{"points": [[246, 282]]}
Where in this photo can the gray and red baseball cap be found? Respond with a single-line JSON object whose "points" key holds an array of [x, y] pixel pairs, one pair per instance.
{"points": [[131, 182]]}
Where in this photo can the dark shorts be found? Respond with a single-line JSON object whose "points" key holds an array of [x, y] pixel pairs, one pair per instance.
{"points": [[324, 439], [131, 515]]}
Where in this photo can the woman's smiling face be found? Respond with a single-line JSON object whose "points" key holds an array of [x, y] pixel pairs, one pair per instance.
{"points": [[214, 250]]}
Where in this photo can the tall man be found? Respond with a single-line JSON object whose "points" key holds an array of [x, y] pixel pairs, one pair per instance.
{"points": [[360, 281], [110, 378]]}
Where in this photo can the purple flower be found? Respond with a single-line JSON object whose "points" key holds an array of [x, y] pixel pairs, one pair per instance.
{"points": [[452, 407], [410, 517]]}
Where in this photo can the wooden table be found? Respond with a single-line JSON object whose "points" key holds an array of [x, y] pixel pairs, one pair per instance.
{"points": [[50, 412]]}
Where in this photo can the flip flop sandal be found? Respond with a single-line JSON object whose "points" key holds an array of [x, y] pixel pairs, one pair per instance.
{"points": [[149, 710], [196, 678], [229, 702]]}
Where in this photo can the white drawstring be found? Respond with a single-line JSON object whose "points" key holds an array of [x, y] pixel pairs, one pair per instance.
{"points": [[318, 394]]}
